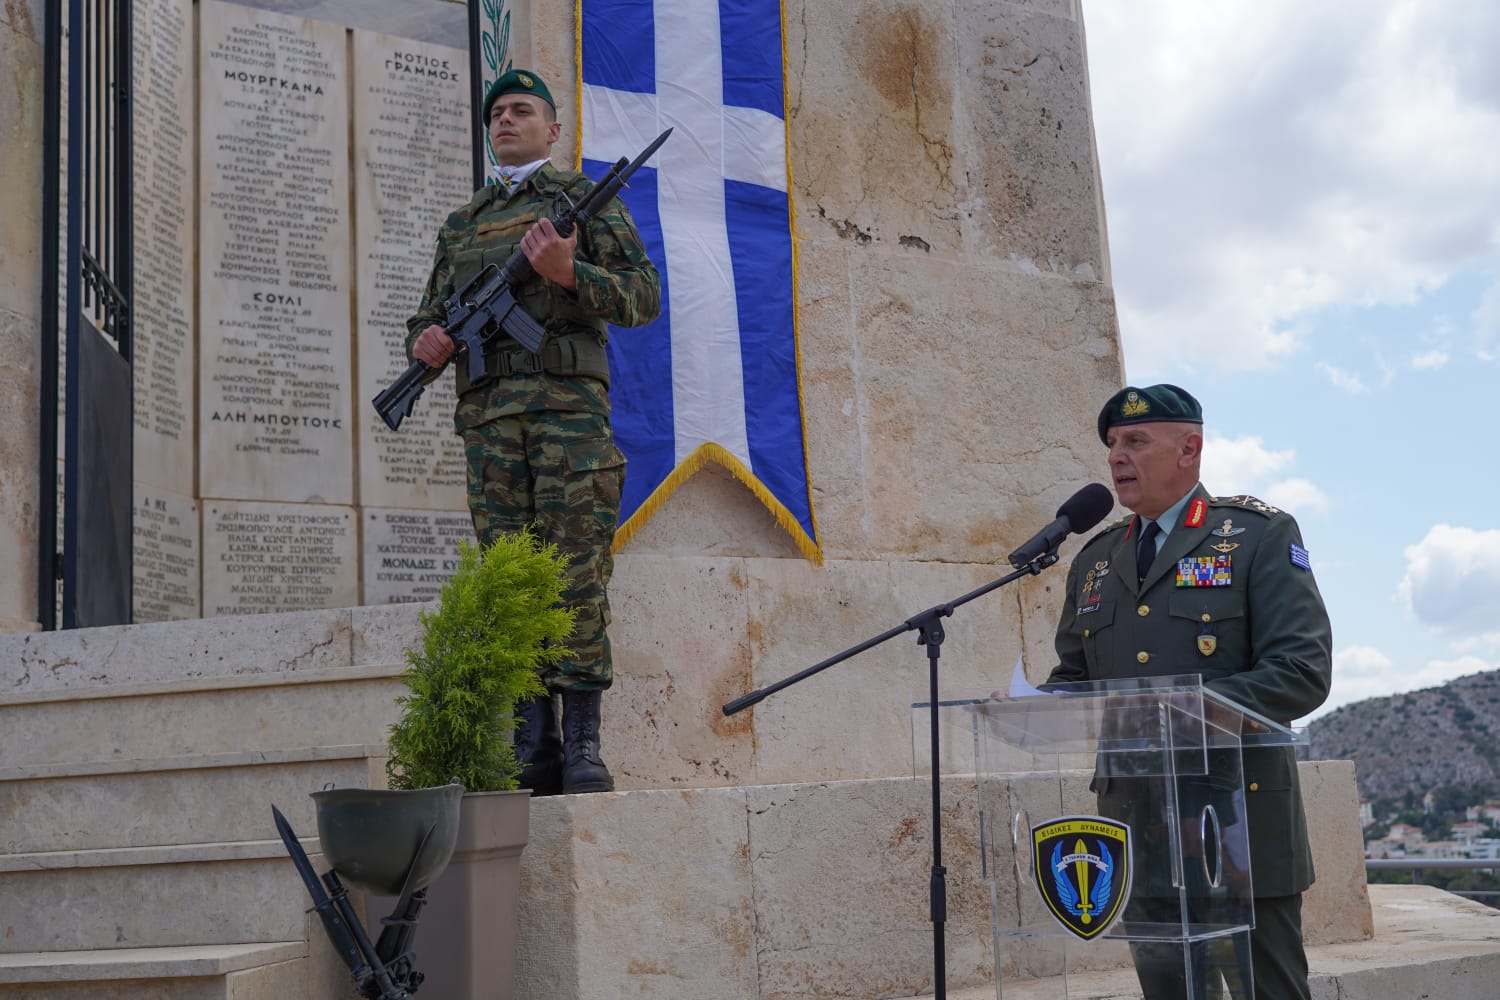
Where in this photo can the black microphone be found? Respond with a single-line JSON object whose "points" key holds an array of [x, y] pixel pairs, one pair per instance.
{"points": [[1078, 514]]}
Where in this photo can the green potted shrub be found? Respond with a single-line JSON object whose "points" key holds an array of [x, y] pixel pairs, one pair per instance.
{"points": [[497, 621]]}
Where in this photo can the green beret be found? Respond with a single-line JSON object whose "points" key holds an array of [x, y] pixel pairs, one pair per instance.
{"points": [[1163, 402], [516, 81]]}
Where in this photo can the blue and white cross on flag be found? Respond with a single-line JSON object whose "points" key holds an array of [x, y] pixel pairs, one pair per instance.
{"points": [[715, 378]]}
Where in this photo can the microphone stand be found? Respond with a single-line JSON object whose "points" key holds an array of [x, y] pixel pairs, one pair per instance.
{"points": [[929, 628]]}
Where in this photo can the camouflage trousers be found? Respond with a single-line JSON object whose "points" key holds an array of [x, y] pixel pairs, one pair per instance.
{"points": [[561, 474]]}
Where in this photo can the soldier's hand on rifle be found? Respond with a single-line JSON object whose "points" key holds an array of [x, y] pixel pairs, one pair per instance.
{"points": [[433, 346], [551, 255]]}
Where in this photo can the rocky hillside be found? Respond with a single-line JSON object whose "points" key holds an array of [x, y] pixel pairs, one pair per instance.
{"points": [[1420, 741]]}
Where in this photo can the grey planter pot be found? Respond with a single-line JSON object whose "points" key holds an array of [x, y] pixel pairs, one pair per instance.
{"points": [[466, 938]]}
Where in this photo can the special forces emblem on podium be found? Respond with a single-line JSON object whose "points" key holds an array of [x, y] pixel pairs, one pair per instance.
{"points": [[1082, 869]]}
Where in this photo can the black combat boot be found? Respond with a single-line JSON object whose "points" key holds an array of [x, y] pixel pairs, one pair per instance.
{"points": [[582, 770], [537, 746]]}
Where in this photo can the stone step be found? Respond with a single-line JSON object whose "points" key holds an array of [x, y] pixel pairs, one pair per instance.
{"points": [[146, 897], [204, 972], [256, 711], [166, 656], [202, 799], [784, 890]]}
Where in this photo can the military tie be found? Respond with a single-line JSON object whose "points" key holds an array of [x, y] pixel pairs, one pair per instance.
{"points": [[1145, 549]]}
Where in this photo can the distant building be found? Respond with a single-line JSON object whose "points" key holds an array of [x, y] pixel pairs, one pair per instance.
{"points": [[1408, 836], [1367, 813], [1402, 840], [1468, 832], [1443, 849], [1489, 812]]}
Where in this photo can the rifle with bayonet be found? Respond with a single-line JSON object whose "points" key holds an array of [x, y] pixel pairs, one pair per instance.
{"points": [[369, 968], [486, 305]]}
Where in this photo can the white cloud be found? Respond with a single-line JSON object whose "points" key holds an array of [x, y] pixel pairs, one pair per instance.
{"points": [[1487, 323], [1357, 384], [1437, 672], [1246, 465], [1452, 579], [1360, 672], [1347, 381], [1267, 159], [1430, 360], [1488, 645], [1296, 495], [1245, 457]]}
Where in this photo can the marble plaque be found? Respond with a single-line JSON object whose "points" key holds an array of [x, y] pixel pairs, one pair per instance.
{"points": [[163, 229], [409, 554], [261, 557], [275, 241], [164, 566], [412, 166]]}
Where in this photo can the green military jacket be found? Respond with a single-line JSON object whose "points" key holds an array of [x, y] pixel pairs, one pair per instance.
{"points": [[617, 283], [1230, 597]]}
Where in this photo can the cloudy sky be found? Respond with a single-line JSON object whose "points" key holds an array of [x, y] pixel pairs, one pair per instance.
{"points": [[1304, 223]]}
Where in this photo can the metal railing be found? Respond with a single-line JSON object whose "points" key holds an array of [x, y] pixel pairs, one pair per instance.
{"points": [[1418, 865], [87, 281]]}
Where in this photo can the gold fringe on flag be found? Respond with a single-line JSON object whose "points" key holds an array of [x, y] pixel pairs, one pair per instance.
{"points": [[712, 452]]}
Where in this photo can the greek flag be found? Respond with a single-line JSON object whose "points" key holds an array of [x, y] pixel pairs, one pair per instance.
{"points": [[715, 378]]}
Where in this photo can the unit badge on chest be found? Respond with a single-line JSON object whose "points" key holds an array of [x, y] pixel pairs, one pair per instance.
{"points": [[1082, 869], [1204, 571], [1092, 581]]}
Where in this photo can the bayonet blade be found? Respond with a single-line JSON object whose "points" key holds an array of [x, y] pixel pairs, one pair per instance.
{"points": [[645, 155], [299, 858]]}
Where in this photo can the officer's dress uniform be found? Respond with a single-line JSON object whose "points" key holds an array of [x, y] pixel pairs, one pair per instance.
{"points": [[1230, 596]]}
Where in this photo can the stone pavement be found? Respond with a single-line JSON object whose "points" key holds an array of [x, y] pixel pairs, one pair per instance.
{"points": [[1428, 945]]}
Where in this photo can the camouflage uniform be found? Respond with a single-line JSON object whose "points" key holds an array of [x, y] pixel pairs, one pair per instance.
{"points": [[539, 446]]}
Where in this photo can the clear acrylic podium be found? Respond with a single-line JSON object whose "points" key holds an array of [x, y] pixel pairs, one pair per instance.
{"points": [[1112, 832]]}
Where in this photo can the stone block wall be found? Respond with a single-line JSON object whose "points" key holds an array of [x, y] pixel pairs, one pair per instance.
{"points": [[956, 328]]}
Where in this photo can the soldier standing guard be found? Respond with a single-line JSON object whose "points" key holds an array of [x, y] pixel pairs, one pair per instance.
{"points": [[537, 436], [1216, 586]]}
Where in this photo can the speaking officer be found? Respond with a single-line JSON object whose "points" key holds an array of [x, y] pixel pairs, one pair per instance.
{"points": [[1216, 586], [537, 434]]}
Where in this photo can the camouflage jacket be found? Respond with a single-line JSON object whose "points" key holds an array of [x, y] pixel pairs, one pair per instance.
{"points": [[617, 283]]}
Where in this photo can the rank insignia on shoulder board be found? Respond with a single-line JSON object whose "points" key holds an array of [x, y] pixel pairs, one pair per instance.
{"points": [[1300, 558], [1251, 503]]}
